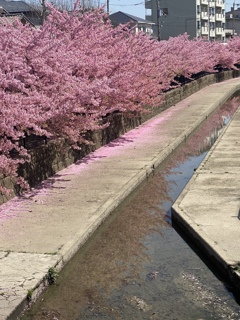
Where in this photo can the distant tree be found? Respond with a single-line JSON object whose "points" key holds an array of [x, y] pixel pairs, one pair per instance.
{"points": [[233, 48], [40, 6]]}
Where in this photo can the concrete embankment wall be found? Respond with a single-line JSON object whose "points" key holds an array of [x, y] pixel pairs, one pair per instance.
{"points": [[49, 158]]}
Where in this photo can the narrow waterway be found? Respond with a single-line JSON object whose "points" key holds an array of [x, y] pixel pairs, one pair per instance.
{"points": [[136, 266]]}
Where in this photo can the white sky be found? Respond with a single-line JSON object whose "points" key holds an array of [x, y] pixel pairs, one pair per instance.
{"points": [[137, 7]]}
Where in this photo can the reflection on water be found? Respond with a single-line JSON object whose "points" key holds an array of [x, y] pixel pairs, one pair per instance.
{"points": [[136, 266]]}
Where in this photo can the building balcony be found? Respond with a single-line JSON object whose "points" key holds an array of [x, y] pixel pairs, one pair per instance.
{"points": [[219, 30], [204, 31], [220, 17], [220, 3], [204, 2], [212, 32], [212, 17], [204, 15]]}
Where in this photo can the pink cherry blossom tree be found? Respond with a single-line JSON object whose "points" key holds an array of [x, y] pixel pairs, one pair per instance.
{"points": [[61, 80]]}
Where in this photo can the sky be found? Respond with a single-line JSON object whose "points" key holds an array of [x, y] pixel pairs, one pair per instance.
{"points": [[137, 7]]}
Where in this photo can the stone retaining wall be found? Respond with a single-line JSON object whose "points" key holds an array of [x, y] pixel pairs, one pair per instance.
{"points": [[47, 159]]}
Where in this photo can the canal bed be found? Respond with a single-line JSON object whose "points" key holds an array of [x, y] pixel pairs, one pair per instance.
{"points": [[136, 266]]}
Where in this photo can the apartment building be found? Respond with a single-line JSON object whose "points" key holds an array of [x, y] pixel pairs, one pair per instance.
{"points": [[198, 18]]}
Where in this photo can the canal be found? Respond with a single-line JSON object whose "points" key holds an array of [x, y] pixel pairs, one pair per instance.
{"points": [[136, 265]]}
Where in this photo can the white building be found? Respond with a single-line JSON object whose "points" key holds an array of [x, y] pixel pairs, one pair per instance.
{"points": [[198, 18]]}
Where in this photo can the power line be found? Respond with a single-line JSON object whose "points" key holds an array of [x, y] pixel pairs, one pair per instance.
{"points": [[128, 5]]}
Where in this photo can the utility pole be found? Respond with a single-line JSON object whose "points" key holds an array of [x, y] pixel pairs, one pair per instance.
{"points": [[232, 10], [108, 6], [158, 20], [208, 20]]}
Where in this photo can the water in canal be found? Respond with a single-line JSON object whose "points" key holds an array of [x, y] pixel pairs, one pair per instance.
{"points": [[136, 266]]}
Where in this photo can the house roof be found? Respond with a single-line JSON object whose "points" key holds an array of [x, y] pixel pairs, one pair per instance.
{"points": [[21, 7], [2, 11], [15, 6], [122, 17], [10, 18]]}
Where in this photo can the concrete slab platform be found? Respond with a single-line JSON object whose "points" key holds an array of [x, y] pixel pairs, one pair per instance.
{"points": [[208, 208]]}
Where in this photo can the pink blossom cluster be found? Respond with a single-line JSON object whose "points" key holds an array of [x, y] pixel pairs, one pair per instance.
{"points": [[60, 80]]}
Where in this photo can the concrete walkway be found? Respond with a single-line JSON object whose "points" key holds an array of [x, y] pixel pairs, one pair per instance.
{"points": [[49, 225], [208, 209]]}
